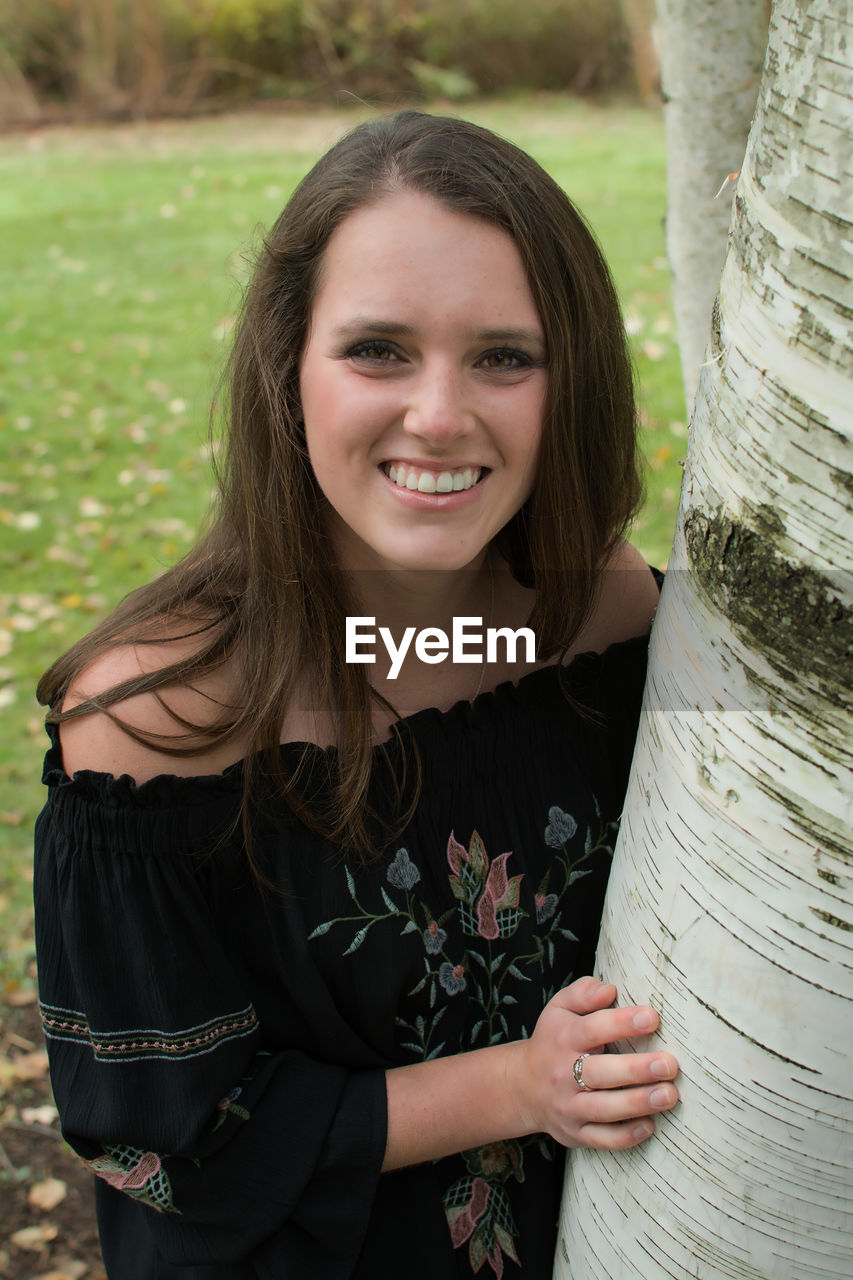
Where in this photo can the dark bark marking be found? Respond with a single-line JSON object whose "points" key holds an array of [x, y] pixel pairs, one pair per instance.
{"points": [[716, 329], [788, 612], [844, 480], [829, 842], [752, 1040], [833, 920]]}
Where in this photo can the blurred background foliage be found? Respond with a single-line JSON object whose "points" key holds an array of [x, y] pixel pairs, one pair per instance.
{"points": [[128, 59]]}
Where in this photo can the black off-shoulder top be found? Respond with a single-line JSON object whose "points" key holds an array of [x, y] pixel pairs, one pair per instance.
{"points": [[218, 1046]]}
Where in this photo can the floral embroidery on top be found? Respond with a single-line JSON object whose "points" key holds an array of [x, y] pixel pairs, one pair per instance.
{"points": [[477, 1207], [139, 1174], [228, 1106], [562, 828], [465, 950], [488, 901]]}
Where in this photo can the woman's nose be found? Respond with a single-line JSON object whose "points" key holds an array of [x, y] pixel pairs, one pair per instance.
{"points": [[438, 410]]}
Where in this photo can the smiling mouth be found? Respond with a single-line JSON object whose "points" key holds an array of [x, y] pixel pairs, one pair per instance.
{"points": [[455, 481]]}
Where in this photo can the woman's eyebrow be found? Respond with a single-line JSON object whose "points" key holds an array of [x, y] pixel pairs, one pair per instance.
{"points": [[534, 336], [360, 324]]}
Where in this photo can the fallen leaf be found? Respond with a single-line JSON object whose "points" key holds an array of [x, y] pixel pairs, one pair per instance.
{"points": [[70, 1268], [13, 818], [35, 1237], [48, 1194], [14, 993], [652, 350], [45, 1114], [29, 1066]]}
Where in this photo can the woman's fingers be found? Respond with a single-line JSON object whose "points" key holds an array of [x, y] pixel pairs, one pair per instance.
{"points": [[615, 1137], [613, 1118], [613, 1106], [606, 1025], [616, 1070], [585, 995]]}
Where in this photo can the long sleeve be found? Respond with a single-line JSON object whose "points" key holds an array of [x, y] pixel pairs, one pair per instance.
{"points": [[163, 1077]]}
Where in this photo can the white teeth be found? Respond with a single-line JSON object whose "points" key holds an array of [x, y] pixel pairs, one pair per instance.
{"points": [[426, 482]]}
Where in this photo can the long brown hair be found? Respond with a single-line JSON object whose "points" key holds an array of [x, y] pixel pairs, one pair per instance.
{"points": [[261, 588]]}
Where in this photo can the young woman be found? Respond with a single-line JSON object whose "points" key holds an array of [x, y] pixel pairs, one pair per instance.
{"points": [[312, 930]]}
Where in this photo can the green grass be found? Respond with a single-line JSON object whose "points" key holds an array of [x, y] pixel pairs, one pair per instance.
{"points": [[124, 252]]}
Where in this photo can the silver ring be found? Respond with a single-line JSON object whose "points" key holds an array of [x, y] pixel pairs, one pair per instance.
{"points": [[577, 1072]]}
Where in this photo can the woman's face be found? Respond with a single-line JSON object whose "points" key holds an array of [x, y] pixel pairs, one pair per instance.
{"points": [[423, 384]]}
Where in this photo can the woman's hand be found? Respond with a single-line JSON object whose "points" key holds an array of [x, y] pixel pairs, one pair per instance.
{"points": [[623, 1091], [508, 1090]]}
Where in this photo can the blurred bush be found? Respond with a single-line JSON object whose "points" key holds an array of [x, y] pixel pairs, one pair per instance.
{"points": [[139, 57]]}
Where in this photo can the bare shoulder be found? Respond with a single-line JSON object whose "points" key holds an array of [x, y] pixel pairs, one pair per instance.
{"points": [[94, 741], [627, 599]]}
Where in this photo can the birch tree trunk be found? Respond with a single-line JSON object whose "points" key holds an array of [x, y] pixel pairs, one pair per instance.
{"points": [[730, 907], [712, 52]]}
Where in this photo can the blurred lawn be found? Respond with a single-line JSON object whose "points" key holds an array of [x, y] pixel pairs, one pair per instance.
{"points": [[124, 251]]}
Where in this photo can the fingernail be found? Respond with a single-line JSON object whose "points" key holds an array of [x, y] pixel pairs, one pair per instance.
{"points": [[659, 1067], [643, 1131], [660, 1098], [645, 1020]]}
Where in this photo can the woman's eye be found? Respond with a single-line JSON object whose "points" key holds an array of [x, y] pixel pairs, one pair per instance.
{"points": [[505, 359], [376, 352]]}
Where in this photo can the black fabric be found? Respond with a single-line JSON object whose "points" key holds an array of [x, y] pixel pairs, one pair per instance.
{"points": [[218, 1048]]}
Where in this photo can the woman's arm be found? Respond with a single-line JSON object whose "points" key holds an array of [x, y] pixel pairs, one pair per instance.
{"points": [[527, 1086]]}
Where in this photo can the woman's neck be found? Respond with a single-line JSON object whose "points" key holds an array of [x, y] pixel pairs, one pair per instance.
{"points": [[426, 635], [399, 599]]}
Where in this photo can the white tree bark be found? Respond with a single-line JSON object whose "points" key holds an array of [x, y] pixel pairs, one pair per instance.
{"points": [[712, 52], [730, 907]]}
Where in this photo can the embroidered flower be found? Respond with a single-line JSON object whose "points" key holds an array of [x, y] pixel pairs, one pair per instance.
{"points": [[497, 1160], [463, 1220], [499, 893], [434, 938], [125, 1178], [402, 873], [228, 1106], [140, 1174], [452, 978], [488, 899], [561, 827], [478, 1212], [546, 905]]}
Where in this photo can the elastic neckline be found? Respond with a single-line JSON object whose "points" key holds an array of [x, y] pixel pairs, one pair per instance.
{"points": [[539, 687]]}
